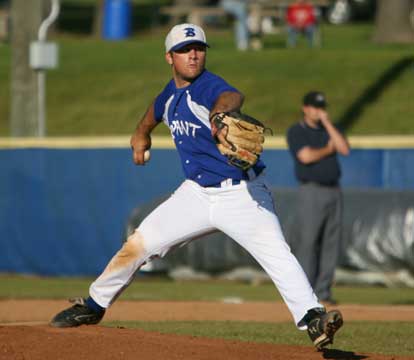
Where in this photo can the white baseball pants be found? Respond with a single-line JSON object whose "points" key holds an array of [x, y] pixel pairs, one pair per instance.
{"points": [[245, 212]]}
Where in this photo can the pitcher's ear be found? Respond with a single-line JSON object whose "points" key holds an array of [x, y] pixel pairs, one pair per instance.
{"points": [[168, 58]]}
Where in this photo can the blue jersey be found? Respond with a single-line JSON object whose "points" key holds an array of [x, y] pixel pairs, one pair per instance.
{"points": [[186, 112]]}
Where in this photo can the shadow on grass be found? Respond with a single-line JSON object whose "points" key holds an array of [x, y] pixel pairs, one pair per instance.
{"points": [[373, 92], [342, 355], [403, 302]]}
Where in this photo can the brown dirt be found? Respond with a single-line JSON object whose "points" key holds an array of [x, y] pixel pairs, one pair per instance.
{"points": [[18, 341]]}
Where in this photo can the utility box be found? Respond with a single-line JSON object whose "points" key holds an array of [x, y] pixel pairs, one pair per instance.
{"points": [[43, 55]]}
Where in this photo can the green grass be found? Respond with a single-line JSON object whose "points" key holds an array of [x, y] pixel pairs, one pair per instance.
{"points": [[102, 88], [163, 289], [384, 337]]}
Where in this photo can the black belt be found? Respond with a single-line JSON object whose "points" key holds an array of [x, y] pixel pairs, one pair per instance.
{"points": [[251, 174], [223, 183]]}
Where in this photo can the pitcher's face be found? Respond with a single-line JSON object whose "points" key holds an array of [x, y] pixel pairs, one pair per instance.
{"points": [[187, 63]]}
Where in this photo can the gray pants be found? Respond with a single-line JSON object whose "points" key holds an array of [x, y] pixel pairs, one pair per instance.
{"points": [[318, 235]]}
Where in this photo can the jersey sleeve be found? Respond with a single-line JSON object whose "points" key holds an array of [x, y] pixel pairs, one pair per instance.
{"points": [[208, 91], [161, 100], [296, 140]]}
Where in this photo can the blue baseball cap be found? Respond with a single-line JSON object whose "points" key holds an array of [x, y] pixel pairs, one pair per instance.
{"points": [[184, 34]]}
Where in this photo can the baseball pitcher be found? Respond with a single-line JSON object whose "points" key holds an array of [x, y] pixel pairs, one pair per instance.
{"points": [[225, 189]]}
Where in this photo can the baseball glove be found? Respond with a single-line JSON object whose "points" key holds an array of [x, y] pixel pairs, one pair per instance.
{"points": [[239, 137]]}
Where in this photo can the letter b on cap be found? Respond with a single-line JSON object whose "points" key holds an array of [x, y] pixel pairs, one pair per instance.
{"points": [[189, 32]]}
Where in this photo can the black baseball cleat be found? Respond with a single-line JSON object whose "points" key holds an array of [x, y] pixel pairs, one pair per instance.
{"points": [[322, 326], [78, 314]]}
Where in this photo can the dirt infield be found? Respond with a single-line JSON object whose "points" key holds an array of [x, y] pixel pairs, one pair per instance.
{"points": [[20, 341]]}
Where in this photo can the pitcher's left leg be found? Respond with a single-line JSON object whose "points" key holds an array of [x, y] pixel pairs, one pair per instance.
{"points": [[247, 215]]}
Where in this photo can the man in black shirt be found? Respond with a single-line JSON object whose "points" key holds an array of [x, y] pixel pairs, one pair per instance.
{"points": [[314, 143]]}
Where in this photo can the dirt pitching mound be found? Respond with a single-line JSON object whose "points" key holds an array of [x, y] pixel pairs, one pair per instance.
{"points": [[18, 341], [101, 343]]}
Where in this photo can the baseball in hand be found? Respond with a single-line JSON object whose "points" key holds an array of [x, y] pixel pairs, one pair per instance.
{"points": [[147, 155]]}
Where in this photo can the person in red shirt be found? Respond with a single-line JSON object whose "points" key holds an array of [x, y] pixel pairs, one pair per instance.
{"points": [[301, 17]]}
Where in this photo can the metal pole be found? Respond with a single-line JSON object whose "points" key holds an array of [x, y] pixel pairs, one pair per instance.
{"points": [[54, 12], [41, 103], [41, 73]]}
